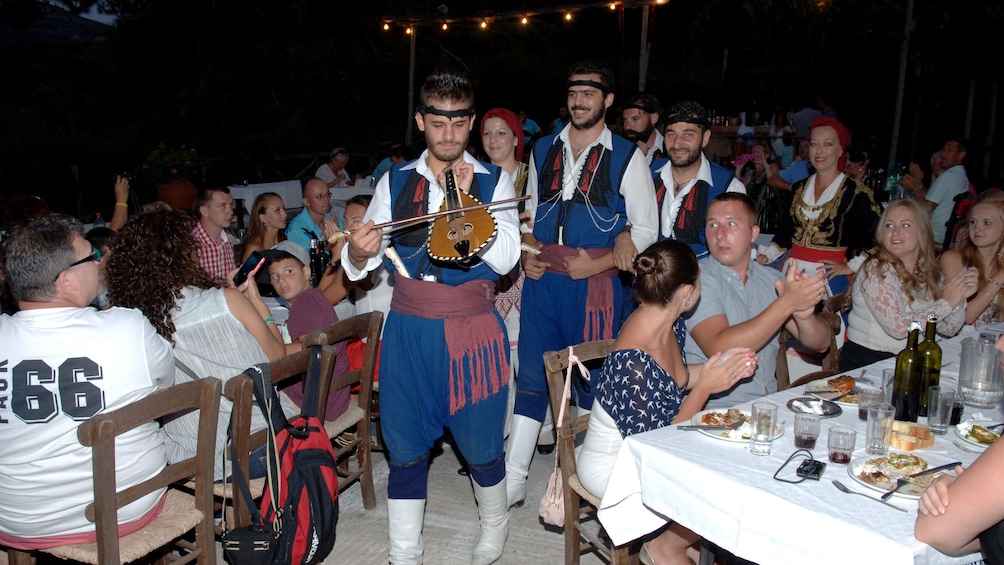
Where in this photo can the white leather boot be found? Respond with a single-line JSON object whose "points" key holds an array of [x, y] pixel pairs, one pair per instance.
{"points": [[493, 509], [405, 518], [523, 434], [546, 439]]}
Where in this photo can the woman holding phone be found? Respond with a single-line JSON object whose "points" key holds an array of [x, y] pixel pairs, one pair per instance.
{"points": [[214, 330]]}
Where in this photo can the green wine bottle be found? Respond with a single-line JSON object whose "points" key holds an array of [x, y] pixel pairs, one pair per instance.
{"points": [[906, 385], [930, 359]]}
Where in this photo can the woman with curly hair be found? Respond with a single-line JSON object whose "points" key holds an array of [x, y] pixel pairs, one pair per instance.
{"points": [[268, 224], [981, 248], [215, 331], [902, 283]]}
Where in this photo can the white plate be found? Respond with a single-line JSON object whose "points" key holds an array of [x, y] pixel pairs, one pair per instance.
{"points": [[843, 400], [909, 490], [736, 435], [962, 430]]}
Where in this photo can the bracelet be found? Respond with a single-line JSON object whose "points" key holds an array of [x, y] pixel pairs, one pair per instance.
{"points": [[999, 285], [123, 204], [987, 294], [270, 320]]}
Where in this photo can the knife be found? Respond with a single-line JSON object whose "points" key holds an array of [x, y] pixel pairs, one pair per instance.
{"points": [[699, 427], [901, 482]]}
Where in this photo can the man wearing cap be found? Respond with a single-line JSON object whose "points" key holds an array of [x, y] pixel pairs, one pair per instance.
{"points": [[586, 186], [444, 360], [641, 114], [687, 181]]}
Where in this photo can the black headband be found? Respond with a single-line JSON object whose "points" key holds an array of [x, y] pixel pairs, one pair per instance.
{"points": [[449, 114], [697, 120], [649, 109], [592, 83]]}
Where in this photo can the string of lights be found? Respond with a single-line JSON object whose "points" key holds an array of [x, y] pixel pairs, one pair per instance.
{"points": [[484, 19]]}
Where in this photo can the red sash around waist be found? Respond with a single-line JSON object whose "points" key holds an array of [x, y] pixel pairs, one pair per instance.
{"points": [[815, 255], [599, 291], [472, 332]]}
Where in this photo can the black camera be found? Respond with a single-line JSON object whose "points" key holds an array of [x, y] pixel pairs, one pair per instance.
{"points": [[811, 469], [126, 176]]}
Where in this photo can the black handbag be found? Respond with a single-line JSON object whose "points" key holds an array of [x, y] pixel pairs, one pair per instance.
{"points": [[255, 544]]}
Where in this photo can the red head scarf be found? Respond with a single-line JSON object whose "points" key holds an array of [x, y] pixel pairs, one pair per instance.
{"points": [[843, 136], [510, 120]]}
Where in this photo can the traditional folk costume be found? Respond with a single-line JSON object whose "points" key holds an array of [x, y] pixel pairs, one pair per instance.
{"points": [[576, 203], [444, 359]]}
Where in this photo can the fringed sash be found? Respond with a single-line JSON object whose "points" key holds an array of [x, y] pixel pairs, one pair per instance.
{"points": [[473, 338], [599, 293]]}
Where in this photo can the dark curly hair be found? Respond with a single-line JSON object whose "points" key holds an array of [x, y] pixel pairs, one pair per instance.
{"points": [[152, 259]]}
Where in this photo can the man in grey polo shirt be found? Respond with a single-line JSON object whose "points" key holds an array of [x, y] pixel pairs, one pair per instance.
{"points": [[745, 304]]}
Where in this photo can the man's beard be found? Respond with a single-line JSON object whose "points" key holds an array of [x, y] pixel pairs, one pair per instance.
{"points": [[448, 157], [687, 161], [590, 120], [643, 135]]}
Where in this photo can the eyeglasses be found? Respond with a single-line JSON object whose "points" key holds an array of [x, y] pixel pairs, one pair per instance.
{"points": [[96, 256]]}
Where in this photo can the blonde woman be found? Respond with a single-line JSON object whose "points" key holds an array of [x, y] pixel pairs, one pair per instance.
{"points": [[981, 250], [900, 284], [268, 223]]}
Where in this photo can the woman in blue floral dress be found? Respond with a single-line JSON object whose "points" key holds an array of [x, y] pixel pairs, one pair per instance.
{"points": [[645, 382]]}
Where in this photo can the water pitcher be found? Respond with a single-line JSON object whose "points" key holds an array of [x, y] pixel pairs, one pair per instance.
{"points": [[980, 378]]}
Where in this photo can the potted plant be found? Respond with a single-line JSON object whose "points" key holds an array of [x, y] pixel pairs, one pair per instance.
{"points": [[171, 169]]}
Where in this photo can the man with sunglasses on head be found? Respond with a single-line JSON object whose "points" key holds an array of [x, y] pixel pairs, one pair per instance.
{"points": [[62, 363]]}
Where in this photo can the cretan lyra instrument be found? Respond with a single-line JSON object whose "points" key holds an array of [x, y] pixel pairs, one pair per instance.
{"points": [[458, 235], [460, 218]]}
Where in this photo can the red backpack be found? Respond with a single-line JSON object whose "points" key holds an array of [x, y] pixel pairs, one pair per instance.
{"points": [[301, 495]]}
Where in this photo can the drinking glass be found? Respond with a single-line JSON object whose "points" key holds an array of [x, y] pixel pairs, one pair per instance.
{"points": [[940, 402], [764, 418], [866, 398], [806, 430], [840, 444], [878, 435]]}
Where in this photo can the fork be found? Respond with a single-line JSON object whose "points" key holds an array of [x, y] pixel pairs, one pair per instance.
{"points": [[842, 487]]}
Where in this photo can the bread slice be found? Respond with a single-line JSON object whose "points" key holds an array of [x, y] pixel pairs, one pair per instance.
{"points": [[912, 429], [909, 436], [903, 442]]}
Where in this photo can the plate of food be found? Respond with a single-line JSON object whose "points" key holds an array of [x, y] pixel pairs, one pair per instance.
{"points": [[976, 433], [726, 418], [841, 389], [880, 473]]}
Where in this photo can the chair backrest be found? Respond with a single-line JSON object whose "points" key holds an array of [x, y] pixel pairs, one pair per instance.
{"points": [[366, 326], [831, 314], [240, 390], [100, 432], [555, 364]]}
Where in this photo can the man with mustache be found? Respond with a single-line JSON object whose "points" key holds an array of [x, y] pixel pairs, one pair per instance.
{"points": [[687, 181], [641, 114], [444, 358], [586, 186]]}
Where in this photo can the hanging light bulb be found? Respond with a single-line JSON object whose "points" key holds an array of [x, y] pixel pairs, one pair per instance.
{"points": [[408, 31], [568, 16], [484, 24], [386, 26], [445, 26], [613, 5], [524, 21]]}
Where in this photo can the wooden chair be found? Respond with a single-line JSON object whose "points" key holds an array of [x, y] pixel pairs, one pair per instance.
{"points": [[359, 412], [806, 379], [240, 390], [830, 313], [580, 504], [182, 511]]}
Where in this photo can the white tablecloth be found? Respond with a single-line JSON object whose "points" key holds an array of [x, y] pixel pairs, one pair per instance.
{"points": [[290, 191], [725, 494]]}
